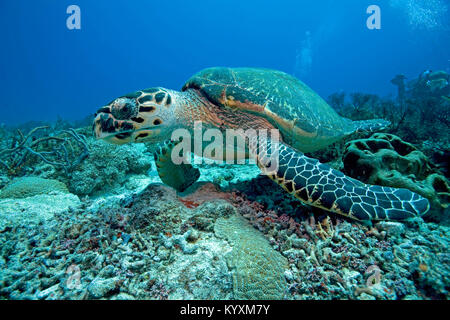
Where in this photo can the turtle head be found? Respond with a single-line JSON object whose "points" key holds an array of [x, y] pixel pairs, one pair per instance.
{"points": [[142, 116]]}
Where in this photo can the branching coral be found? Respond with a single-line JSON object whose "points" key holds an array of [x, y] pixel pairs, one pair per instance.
{"points": [[64, 151], [325, 228], [170, 241]]}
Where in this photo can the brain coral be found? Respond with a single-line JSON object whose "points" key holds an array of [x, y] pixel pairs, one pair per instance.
{"points": [[31, 186], [258, 269], [385, 159]]}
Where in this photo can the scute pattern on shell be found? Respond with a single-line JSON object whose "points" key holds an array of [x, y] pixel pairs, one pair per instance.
{"points": [[282, 99]]}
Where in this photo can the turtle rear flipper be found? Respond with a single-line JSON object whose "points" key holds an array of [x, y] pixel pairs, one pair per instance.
{"points": [[370, 125], [321, 186], [178, 176]]}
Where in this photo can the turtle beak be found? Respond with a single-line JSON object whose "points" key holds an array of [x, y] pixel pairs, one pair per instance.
{"points": [[103, 123], [114, 131], [107, 128]]}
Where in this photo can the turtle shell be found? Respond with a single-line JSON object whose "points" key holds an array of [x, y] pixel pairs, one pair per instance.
{"points": [[304, 119]]}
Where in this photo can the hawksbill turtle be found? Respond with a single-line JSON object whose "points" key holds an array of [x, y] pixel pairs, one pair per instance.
{"points": [[245, 98]]}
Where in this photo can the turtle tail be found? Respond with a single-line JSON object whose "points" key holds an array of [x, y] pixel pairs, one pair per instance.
{"points": [[370, 125], [321, 186]]}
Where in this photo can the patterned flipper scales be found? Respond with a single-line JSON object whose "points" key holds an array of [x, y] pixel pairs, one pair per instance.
{"points": [[321, 186]]}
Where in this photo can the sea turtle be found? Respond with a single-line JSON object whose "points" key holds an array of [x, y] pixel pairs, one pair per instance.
{"points": [[232, 98]]}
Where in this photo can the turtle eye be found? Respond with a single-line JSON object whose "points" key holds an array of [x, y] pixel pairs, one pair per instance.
{"points": [[124, 108]]}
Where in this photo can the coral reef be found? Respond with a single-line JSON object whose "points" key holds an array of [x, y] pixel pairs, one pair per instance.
{"points": [[258, 269], [31, 186], [420, 112], [63, 150], [385, 159], [333, 258], [108, 165], [234, 234], [36, 210], [156, 245], [4, 180], [429, 84], [98, 250]]}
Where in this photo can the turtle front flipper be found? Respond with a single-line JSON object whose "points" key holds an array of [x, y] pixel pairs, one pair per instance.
{"points": [[321, 186], [178, 176]]}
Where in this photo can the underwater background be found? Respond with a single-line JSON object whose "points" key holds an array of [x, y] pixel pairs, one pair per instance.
{"points": [[124, 46], [83, 219]]}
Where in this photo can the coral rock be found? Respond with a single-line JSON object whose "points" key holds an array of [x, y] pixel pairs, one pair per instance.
{"points": [[259, 270], [31, 186], [108, 165], [385, 159]]}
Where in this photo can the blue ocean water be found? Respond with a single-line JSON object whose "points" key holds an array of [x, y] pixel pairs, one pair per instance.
{"points": [[48, 70]]}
